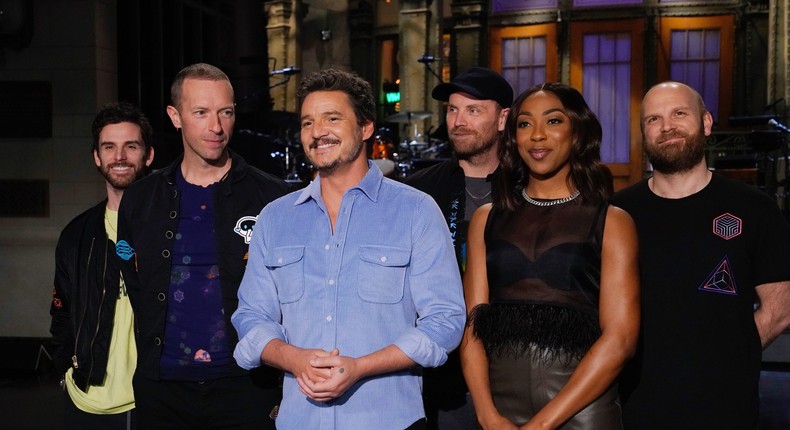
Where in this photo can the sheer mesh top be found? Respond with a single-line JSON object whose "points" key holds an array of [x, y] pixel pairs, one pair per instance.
{"points": [[544, 270]]}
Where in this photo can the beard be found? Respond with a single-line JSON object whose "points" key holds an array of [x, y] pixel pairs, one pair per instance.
{"points": [[676, 158], [473, 143], [344, 157], [121, 182]]}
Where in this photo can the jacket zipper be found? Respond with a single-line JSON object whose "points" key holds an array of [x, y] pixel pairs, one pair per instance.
{"points": [[74, 361], [101, 305]]}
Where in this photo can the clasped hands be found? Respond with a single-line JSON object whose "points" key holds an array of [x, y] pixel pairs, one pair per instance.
{"points": [[323, 376]]}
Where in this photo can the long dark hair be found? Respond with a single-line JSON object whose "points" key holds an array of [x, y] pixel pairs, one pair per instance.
{"points": [[591, 177]]}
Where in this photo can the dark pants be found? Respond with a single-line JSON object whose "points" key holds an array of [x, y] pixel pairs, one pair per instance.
{"points": [[418, 425], [76, 419], [448, 405], [452, 418], [522, 386], [226, 403]]}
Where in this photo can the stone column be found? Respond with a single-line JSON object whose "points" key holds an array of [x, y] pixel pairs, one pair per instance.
{"points": [[778, 80], [778, 50], [283, 28], [416, 80], [469, 35]]}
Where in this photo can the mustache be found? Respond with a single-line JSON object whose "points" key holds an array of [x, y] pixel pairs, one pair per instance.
{"points": [[462, 129], [672, 135], [324, 141]]}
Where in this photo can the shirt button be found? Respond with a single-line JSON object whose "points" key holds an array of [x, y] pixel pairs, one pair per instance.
{"points": [[161, 297], [331, 282], [157, 341], [173, 214], [279, 261], [329, 318], [383, 259], [169, 234], [166, 253], [326, 247]]}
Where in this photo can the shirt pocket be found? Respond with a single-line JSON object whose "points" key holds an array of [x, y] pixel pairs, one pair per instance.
{"points": [[287, 266], [382, 273]]}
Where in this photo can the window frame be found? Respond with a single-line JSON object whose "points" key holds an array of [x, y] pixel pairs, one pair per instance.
{"points": [[549, 31], [726, 26], [631, 172]]}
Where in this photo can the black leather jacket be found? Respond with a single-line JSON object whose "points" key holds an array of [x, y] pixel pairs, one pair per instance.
{"points": [[147, 223], [83, 304], [444, 386], [445, 182]]}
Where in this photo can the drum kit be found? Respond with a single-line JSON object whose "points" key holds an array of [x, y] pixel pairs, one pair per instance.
{"points": [[415, 151], [279, 150]]}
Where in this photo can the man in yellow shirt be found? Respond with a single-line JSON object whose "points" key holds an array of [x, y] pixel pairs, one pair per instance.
{"points": [[92, 321]]}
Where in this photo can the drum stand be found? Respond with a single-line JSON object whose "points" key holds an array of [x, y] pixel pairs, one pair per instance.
{"points": [[782, 192], [409, 146]]}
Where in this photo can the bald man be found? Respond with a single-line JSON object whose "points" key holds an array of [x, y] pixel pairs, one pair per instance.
{"points": [[710, 248]]}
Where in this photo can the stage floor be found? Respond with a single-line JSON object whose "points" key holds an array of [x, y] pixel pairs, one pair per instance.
{"points": [[34, 402]]}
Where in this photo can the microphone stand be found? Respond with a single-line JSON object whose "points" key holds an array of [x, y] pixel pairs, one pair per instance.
{"points": [[427, 60], [287, 72], [283, 82]]}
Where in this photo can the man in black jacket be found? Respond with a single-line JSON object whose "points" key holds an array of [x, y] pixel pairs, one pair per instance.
{"points": [[479, 100], [91, 312], [183, 235]]}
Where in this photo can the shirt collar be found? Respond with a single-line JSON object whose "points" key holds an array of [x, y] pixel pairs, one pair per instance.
{"points": [[369, 185]]}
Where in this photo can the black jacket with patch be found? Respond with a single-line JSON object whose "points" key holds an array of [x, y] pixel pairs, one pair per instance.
{"points": [[147, 224], [87, 284]]}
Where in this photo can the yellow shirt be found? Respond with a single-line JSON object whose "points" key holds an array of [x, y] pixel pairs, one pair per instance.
{"points": [[115, 395]]}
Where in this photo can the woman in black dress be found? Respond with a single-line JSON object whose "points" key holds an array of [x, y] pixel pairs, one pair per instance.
{"points": [[552, 284]]}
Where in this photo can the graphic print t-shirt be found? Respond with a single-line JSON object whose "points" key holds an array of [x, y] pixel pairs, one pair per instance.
{"points": [[195, 346]]}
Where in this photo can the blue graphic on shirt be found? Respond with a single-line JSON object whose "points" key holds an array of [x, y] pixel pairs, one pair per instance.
{"points": [[124, 250]]}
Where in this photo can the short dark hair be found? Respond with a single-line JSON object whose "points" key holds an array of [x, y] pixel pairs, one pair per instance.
{"points": [[359, 91], [118, 112], [589, 175], [195, 71]]}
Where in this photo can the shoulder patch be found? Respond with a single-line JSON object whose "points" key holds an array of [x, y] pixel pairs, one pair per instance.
{"points": [[244, 227]]}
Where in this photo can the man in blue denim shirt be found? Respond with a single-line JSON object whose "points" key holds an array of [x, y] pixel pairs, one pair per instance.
{"points": [[352, 283]]}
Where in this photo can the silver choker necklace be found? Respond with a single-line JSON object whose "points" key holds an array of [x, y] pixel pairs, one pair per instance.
{"points": [[549, 202]]}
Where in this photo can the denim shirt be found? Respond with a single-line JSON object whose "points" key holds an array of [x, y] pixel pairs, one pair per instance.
{"points": [[387, 276]]}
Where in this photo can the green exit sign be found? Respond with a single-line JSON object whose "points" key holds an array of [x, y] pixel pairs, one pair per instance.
{"points": [[392, 97]]}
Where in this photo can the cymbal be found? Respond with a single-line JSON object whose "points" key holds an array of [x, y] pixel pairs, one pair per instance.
{"points": [[407, 117]]}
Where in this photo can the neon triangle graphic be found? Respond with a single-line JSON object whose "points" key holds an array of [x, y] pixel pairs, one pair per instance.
{"points": [[721, 280]]}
